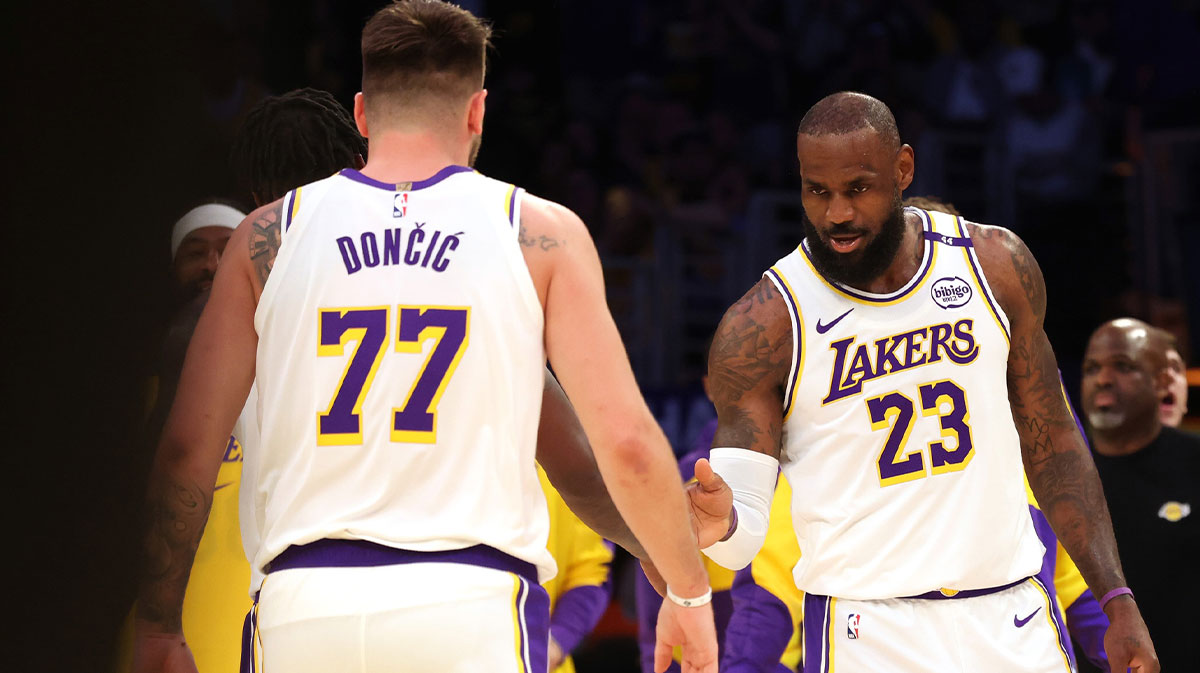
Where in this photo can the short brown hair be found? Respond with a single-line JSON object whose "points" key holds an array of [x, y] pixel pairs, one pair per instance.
{"points": [[416, 52]]}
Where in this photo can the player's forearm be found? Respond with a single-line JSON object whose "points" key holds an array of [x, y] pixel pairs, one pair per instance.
{"points": [[643, 479], [564, 453], [1068, 489], [177, 508], [588, 498], [1057, 461]]}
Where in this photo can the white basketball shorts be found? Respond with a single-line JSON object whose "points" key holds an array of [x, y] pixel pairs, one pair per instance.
{"points": [[1003, 630], [356, 607]]}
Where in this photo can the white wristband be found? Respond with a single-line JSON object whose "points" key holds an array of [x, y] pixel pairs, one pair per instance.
{"points": [[696, 602]]}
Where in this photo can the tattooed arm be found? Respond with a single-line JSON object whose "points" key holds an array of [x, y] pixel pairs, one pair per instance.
{"points": [[1057, 461], [216, 378], [747, 369], [748, 366]]}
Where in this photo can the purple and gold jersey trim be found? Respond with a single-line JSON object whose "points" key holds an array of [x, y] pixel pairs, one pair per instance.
{"points": [[404, 186], [789, 297], [292, 204], [330, 553], [881, 299], [973, 263], [510, 202]]}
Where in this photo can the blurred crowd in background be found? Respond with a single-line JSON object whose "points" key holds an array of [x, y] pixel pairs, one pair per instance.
{"points": [[669, 126]]}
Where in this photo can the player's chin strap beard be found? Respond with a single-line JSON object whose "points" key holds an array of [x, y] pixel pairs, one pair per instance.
{"points": [[874, 257]]}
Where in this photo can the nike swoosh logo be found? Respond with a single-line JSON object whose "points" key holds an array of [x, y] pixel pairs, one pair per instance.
{"points": [[821, 329], [1022, 622], [221, 486]]}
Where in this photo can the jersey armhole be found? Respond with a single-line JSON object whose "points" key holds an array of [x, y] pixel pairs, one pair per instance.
{"points": [[512, 203], [981, 283], [789, 298]]}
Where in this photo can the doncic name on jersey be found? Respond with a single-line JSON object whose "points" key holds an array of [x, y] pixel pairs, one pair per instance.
{"points": [[419, 245]]}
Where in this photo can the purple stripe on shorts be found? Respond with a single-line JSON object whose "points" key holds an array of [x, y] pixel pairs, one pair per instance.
{"points": [[411, 187], [815, 643], [969, 593], [248, 628], [536, 626], [330, 553], [1064, 641]]}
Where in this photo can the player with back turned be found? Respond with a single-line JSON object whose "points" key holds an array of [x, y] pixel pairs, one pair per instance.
{"points": [[896, 368], [396, 321]]}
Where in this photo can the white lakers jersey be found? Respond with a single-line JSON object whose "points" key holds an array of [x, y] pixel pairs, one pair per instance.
{"points": [[899, 442], [247, 431], [400, 370]]}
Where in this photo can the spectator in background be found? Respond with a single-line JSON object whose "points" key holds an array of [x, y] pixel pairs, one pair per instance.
{"points": [[1151, 477], [1174, 402], [197, 241]]}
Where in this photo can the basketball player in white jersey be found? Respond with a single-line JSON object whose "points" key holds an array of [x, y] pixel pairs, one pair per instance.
{"points": [[396, 321], [896, 368]]}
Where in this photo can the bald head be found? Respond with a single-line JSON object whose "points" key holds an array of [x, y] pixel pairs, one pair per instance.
{"points": [[848, 111], [1124, 377], [1138, 339]]}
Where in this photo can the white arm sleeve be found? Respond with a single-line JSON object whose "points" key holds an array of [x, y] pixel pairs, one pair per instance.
{"points": [[751, 476]]}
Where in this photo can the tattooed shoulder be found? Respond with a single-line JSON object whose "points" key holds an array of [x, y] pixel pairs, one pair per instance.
{"points": [[1010, 268], [753, 343], [265, 239], [540, 241]]}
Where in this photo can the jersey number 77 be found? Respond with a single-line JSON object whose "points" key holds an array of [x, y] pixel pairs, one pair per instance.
{"points": [[415, 420]]}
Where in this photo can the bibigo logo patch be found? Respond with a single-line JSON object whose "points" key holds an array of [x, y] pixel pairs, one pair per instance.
{"points": [[951, 292]]}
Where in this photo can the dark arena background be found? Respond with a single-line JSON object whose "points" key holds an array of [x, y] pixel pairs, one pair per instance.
{"points": [[667, 125]]}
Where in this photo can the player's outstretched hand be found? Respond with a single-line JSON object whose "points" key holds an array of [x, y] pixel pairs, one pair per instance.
{"points": [[161, 653], [1127, 642], [711, 502], [692, 630]]}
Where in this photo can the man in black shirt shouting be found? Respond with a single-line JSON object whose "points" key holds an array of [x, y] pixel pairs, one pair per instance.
{"points": [[1151, 477]]}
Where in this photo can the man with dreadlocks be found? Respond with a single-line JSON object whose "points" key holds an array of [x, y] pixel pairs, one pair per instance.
{"points": [[293, 139], [895, 366], [285, 141]]}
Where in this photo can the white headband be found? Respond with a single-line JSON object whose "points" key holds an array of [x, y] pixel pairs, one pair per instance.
{"points": [[207, 215]]}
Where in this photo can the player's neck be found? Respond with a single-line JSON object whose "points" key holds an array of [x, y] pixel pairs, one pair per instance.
{"points": [[907, 261], [396, 156], [1128, 440]]}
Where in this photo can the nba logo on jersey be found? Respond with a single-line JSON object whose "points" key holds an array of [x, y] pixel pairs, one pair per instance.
{"points": [[852, 626], [400, 205]]}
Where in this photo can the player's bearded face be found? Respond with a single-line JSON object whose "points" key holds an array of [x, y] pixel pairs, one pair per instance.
{"points": [[867, 262]]}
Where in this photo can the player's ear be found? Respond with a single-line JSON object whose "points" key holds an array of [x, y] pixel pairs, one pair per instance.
{"points": [[360, 114], [905, 166], [475, 111]]}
